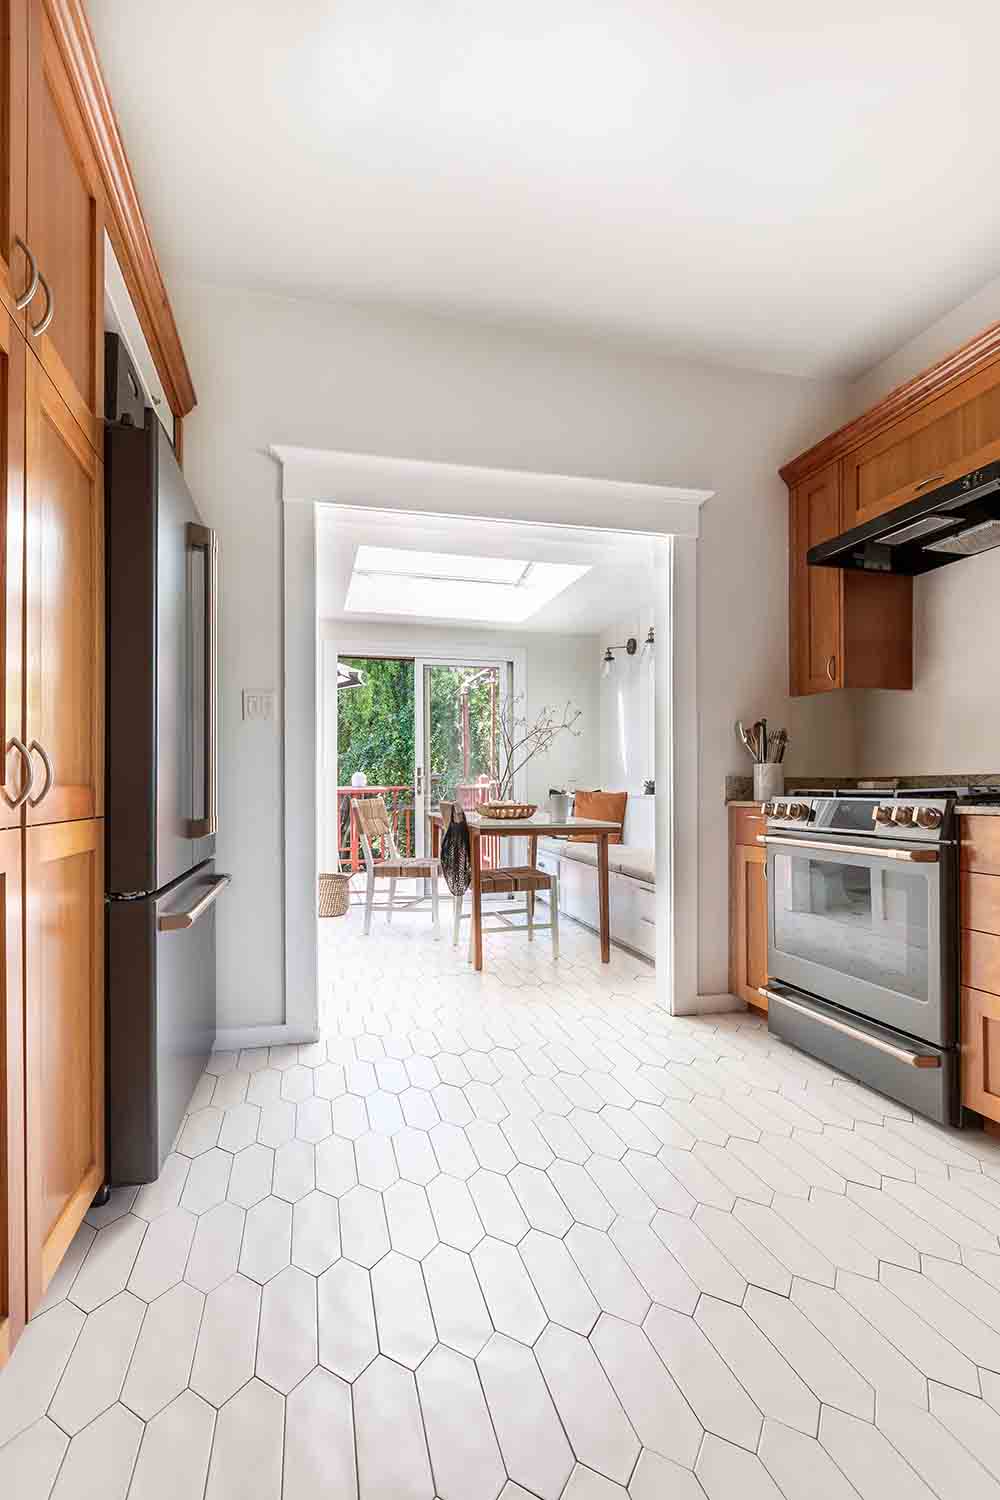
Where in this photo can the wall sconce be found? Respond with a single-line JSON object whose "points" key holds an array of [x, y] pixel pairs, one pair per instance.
{"points": [[630, 647], [648, 643]]}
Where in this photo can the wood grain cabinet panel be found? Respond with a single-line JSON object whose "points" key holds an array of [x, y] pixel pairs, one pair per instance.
{"points": [[981, 959], [746, 824], [980, 902], [64, 621], [66, 233], [15, 270], [981, 1052], [979, 844], [14, 772], [816, 595], [12, 1244], [64, 966], [747, 917]]}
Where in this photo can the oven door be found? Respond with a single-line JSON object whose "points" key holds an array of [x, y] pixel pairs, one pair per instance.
{"points": [[867, 928]]}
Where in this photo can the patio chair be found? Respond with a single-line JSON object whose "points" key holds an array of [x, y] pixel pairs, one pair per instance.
{"points": [[507, 881], [374, 823]]}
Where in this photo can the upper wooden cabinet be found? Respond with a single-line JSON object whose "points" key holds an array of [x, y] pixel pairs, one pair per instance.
{"points": [[845, 628], [65, 232], [15, 265], [64, 615], [14, 775], [12, 1126]]}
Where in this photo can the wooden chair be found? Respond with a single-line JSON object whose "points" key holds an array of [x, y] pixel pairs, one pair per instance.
{"points": [[374, 823], [508, 881]]}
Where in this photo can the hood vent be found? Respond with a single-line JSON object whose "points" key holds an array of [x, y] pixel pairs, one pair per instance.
{"points": [[958, 519]]}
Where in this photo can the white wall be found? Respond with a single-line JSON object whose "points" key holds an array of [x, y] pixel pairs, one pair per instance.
{"points": [[275, 370], [950, 722], [557, 669]]}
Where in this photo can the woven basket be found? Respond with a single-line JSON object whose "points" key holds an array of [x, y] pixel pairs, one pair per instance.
{"points": [[500, 811], [334, 895]]}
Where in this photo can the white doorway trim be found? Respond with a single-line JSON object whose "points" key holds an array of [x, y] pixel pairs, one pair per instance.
{"points": [[313, 477]]}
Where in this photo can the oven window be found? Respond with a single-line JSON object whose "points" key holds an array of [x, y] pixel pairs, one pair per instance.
{"points": [[867, 921]]}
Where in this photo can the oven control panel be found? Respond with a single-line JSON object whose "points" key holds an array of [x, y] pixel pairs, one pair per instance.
{"points": [[896, 817]]}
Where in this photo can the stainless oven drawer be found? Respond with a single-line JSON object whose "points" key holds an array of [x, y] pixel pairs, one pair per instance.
{"points": [[917, 1074]]}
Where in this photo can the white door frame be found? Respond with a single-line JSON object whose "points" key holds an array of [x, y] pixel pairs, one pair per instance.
{"points": [[313, 477]]}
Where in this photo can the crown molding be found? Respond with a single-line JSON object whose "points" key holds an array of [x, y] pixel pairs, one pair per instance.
{"points": [[125, 223], [961, 364]]}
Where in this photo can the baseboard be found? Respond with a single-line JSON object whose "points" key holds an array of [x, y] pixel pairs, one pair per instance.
{"points": [[713, 1005], [233, 1038]]}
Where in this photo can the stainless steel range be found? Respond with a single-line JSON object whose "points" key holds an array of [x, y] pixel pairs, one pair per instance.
{"points": [[863, 936]]}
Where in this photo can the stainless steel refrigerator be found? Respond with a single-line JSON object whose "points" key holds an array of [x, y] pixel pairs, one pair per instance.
{"points": [[162, 794]]}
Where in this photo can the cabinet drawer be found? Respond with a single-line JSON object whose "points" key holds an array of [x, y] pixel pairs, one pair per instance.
{"points": [[981, 902], [745, 823], [980, 844], [981, 961]]}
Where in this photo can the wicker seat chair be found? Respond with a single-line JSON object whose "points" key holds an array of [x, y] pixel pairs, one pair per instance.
{"points": [[506, 881], [374, 824]]}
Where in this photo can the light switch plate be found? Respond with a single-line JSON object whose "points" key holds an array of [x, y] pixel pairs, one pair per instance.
{"points": [[257, 705]]}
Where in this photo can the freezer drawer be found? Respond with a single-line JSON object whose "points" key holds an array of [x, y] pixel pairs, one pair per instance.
{"points": [[161, 1017]]}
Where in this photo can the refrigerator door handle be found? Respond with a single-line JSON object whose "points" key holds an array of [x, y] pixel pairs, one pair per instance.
{"points": [[203, 539], [177, 921]]}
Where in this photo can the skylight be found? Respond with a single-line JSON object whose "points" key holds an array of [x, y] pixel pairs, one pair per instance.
{"points": [[453, 586]]}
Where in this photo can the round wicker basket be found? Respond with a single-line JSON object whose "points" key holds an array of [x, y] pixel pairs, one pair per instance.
{"points": [[334, 894], [501, 811]]}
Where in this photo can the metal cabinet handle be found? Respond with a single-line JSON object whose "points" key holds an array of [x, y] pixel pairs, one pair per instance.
{"points": [[29, 781], [831, 668], [37, 329], [925, 482], [32, 286], [49, 774], [177, 921]]}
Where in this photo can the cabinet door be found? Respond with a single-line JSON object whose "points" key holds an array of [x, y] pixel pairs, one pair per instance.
{"points": [[12, 1275], [981, 1052], [748, 924], [13, 776], [65, 232], [64, 1073], [64, 615], [816, 595], [15, 270]]}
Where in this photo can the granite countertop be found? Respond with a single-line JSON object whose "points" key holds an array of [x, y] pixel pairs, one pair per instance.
{"points": [[984, 810]]}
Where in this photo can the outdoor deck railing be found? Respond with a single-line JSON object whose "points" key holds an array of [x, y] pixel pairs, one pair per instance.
{"points": [[400, 805]]}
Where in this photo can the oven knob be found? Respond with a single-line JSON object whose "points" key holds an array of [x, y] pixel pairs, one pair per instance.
{"points": [[883, 814], [929, 817], [798, 810], [780, 809], [769, 809], [902, 815]]}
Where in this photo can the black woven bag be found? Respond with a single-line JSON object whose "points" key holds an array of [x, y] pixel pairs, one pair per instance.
{"points": [[456, 856]]}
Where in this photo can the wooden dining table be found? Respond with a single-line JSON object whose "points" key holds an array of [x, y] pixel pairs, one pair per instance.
{"points": [[540, 825]]}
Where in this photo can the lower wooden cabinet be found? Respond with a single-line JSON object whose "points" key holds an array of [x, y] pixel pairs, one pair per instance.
{"points": [[12, 1247], [979, 853], [981, 1052], [747, 907], [64, 1038]]}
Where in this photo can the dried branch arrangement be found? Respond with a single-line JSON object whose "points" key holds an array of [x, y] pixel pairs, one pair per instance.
{"points": [[521, 741]]}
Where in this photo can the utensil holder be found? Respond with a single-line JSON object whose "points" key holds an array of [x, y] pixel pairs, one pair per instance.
{"points": [[768, 781]]}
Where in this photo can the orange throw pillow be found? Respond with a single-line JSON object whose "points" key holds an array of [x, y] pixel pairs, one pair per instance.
{"points": [[608, 806]]}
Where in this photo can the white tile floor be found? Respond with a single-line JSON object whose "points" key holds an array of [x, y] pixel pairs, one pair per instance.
{"points": [[523, 1234]]}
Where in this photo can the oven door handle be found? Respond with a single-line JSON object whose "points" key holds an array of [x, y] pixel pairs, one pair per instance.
{"points": [[901, 1054], [911, 856]]}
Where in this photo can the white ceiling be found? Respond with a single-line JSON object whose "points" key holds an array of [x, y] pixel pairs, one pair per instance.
{"points": [[619, 567], [771, 183]]}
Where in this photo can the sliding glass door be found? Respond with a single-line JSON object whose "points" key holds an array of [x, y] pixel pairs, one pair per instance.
{"points": [[459, 709]]}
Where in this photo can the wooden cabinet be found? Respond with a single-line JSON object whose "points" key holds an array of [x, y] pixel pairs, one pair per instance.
{"points": [[747, 907], [845, 628], [980, 918], [13, 779], [65, 231], [15, 268], [12, 1127], [64, 620], [64, 1039]]}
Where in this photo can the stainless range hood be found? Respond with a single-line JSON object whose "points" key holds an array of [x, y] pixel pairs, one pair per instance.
{"points": [[958, 519]]}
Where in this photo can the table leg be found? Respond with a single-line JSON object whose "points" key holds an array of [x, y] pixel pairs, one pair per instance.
{"points": [[533, 862], [602, 896], [477, 901]]}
